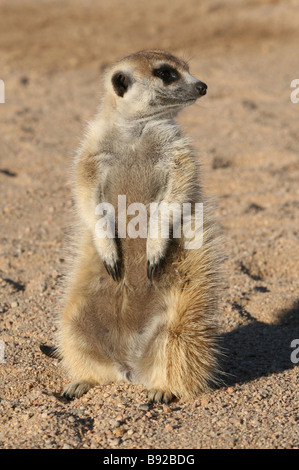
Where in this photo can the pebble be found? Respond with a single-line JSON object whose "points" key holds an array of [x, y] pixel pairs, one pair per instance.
{"points": [[118, 432], [204, 402], [115, 441], [143, 407], [168, 427], [66, 446], [115, 423], [234, 421]]}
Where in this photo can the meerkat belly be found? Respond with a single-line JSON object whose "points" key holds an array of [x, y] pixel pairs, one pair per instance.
{"points": [[130, 188]]}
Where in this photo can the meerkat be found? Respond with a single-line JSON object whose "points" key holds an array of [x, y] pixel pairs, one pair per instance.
{"points": [[140, 309]]}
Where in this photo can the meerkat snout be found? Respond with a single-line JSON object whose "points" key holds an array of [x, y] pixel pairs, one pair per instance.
{"points": [[201, 88]]}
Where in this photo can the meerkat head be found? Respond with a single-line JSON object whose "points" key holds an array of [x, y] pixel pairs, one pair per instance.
{"points": [[152, 84]]}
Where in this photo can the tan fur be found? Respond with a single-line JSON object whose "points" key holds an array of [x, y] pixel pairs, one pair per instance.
{"points": [[158, 332]]}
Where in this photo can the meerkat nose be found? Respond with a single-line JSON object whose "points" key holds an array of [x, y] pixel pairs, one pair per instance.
{"points": [[201, 88]]}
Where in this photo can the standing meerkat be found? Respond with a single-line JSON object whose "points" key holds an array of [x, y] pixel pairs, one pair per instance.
{"points": [[140, 309]]}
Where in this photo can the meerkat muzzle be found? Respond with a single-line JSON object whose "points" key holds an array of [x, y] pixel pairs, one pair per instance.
{"points": [[201, 88]]}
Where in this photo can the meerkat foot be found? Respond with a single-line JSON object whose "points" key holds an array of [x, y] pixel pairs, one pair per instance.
{"points": [[76, 390], [50, 351], [158, 396]]}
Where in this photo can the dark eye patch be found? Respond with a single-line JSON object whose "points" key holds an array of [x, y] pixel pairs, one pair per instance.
{"points": [[167, 73]]}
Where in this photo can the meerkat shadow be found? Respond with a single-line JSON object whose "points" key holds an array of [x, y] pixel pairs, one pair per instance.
{"points": [[259, 349]]}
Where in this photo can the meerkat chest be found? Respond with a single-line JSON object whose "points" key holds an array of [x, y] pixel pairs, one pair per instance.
{"points": [[137, 176]]}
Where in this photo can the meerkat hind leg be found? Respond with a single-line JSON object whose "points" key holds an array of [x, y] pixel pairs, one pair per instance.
{"points": [[158, 396]]}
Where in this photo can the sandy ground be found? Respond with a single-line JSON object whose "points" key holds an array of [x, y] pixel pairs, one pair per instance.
{"points": [[52, 55]]}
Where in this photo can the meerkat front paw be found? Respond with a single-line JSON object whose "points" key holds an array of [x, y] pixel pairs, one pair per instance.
{"points": [[113, 269], [155, 253], [152, 268], [107, 250]]}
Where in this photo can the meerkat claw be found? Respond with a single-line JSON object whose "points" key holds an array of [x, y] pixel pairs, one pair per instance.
{"points": [[117, 270], [113, 271], [157, 396], [76, 390], [50, 351], [152, 270]]}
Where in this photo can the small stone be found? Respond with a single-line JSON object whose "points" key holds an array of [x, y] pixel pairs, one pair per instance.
{"points": [[114, 442], [204, 402], [234, 421], [143, 407], [230, 390], [14, 304], [118, 432], [168, 427], [114, 423], [66, 446]]}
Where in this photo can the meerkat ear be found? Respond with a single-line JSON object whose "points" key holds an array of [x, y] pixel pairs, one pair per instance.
{"points": [[121, 82]]}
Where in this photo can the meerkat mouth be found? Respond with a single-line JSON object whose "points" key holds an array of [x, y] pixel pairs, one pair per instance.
{"points": [[167, 109]]}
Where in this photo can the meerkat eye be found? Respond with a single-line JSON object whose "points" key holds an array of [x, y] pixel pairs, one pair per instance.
{"points": [[167, 73], [121, 83]]}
